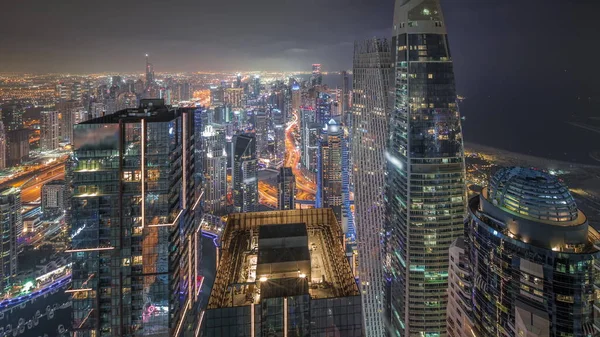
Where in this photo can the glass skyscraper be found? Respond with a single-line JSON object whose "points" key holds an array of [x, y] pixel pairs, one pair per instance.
{"points": [[11, 225], [245, 170], [369, 120], [135, 241], [425, 198]]}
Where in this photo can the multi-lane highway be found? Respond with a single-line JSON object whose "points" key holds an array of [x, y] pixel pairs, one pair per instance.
{"points": [[293, 158], [305, 189], [32, 180]]}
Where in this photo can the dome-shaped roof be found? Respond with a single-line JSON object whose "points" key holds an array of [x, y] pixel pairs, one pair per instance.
{"points": [[532, 193]]}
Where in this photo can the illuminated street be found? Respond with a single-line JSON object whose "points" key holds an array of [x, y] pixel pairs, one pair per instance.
{"points": [[292, 160]]}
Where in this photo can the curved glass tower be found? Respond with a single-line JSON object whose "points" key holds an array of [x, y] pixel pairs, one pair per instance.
{"points": [[530, 267], [425, 197], [370, 118]]}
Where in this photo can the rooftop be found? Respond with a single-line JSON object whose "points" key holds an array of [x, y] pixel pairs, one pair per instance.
{"points": [[532, 194], [152, 110], [318, 267]]}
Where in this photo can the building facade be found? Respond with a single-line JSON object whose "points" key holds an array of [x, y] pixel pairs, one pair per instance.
{"points": [[214, 163], [532, 261], [11, 225], [369, 121], [245, 170], [3, 146], [329, 174], [49, 130], [283, 273], [135, 241], [54, 199], [17, 149], [425, 197], [286, 189]]}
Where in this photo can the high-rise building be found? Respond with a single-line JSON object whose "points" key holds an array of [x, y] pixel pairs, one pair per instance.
{"points": [[63, 92], [286, 189], [296, 96], [49, 130], [11, 226], [317, 77], [117, 80], [323, 106], [460, 287], [283, 273], [97, 109], [3, 146], [256, 86], [369, 121], [67, 110], [233, 96], [186, 91], [238, 81], [310, 148], [12, 116], [135, 241], [345, 106], [329, 174], [149, 73], [278, 122], [17, 150], [529, 266], [214, 164], [76, 91], [261, 130], [425, 196], [54, 199], [245, 170]]}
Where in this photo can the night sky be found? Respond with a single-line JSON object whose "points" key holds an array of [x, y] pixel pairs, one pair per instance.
{"points": [[531, 61]]}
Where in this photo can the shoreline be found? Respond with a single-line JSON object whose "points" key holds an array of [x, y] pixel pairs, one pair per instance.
{"points": [[509, 158]]}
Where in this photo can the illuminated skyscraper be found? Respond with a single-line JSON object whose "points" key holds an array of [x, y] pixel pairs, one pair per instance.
{"points": [[3, 146], [256, 85], [286, 189], [234, 96], [149, 73], [425, 196], [54, 199], [214, 164], [528, 263], [323, 104], [317, 77], [11, 226], [67, 110], [345, 99], [296, 96], [49, 130], [369, 121], [329, 174], [245, 170], [135, 241]]}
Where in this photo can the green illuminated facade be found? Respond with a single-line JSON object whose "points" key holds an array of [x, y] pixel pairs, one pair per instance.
{"points": [[425, 197]]}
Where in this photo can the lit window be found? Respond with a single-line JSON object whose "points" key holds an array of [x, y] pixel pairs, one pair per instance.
{"points": [[430, 76]]}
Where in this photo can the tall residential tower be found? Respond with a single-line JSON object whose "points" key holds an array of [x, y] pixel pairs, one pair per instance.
{"points": [[370, 118], [425, 198], [529, 264]]}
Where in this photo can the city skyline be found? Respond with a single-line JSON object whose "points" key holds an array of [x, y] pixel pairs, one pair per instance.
{"points": [[384, 168]]}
